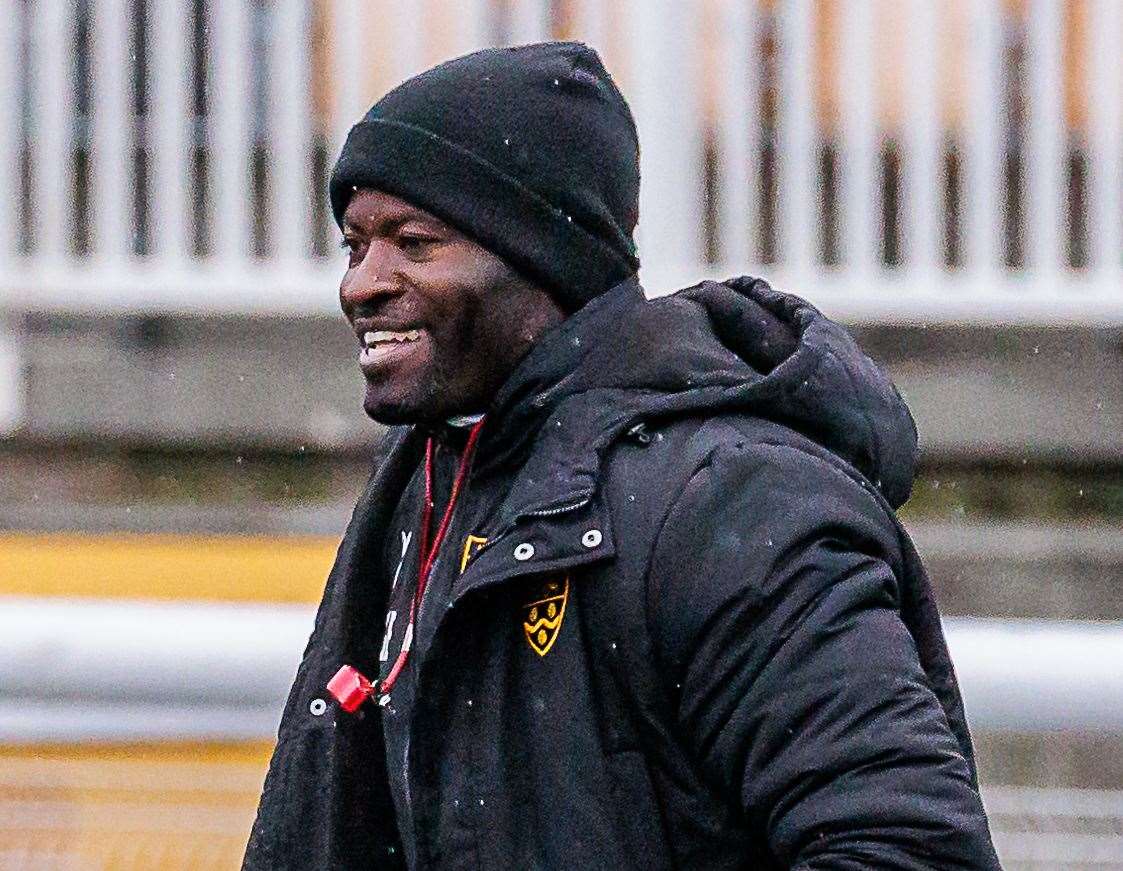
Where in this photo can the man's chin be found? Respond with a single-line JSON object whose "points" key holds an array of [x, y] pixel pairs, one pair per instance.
{"points": [[397, 410], [390, 415]]}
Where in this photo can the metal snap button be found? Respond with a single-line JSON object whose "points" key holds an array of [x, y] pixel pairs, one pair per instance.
{"points": [[318, 707], [591, 538], [524, 551]]}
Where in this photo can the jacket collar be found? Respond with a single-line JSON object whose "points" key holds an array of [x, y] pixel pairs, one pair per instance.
{"points": [[534, 390]]}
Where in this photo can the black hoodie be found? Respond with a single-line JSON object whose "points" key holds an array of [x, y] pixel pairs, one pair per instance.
{"points": [[686, 632]]}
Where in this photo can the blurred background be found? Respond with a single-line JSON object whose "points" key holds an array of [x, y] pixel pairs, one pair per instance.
{"points": [[181, 435]]}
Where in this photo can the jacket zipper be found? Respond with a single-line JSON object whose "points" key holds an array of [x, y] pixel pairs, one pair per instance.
{"points": [[550, 512]]}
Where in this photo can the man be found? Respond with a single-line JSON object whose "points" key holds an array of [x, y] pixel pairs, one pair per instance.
{"points": [[627, 582]]}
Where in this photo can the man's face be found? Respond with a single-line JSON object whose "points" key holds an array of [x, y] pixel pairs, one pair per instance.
{"points": [[441, 321]]}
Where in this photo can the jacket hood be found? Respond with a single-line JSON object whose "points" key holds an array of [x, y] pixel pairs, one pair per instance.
{"points": [[735, 347]]}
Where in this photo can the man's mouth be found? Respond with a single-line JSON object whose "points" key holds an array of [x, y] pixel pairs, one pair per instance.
{"points": [[381, 346]]}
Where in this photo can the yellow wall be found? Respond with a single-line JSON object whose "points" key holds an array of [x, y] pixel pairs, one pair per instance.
{"points": [[197, 568]]}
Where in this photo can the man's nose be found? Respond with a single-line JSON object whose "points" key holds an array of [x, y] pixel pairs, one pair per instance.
{"points": [[374, 277]]}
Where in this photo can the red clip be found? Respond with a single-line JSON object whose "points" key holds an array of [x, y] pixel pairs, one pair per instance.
{"points": [[350, 688]]}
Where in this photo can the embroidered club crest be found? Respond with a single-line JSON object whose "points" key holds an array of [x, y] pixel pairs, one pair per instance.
{"points": [[543, 617]]}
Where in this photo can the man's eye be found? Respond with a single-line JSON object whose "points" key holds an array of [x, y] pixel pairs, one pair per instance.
{"points": [[415, 243]]}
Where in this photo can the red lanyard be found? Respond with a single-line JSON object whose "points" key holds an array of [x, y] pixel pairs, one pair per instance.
{"points": [[428, 554]]}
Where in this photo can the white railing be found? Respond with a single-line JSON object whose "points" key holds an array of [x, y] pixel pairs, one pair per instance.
{"points": [[922, 86], [124, 670]]}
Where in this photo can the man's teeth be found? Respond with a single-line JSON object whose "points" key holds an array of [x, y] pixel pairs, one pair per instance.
{"points": [[372, 338]]}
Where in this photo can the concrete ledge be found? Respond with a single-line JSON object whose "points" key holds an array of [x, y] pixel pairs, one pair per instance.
{"points": [[1041, 393]]}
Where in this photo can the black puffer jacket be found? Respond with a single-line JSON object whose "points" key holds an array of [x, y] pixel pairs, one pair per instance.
{"points": [[749, 671]]}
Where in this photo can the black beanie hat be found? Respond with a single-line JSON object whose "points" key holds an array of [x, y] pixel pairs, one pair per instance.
{"points": [[530, 151]]}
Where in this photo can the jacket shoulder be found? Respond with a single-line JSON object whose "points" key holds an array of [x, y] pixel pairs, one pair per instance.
{"points": [[664, 457]]}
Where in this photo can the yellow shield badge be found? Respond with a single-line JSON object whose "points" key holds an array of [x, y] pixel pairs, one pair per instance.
{"points": [[543, 617]]}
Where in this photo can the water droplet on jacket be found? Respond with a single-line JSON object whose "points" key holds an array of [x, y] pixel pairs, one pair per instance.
{"points": [[557, 84], [506, 141], [613, 645], [481, 802], [769, 542]]}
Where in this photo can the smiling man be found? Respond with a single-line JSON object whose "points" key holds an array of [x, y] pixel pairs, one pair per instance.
{"points": [[627, 589], [442, 347]]}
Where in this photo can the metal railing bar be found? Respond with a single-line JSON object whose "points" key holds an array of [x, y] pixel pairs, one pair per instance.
{"points": [[1038, 801], [229, 131], [1046, 228], [982, 141], [796, 138], [52, 163], [147, 666], [859, 142], [170, 118], [664, 77], [530, 21], [738, 130], [114, 132], [347, 73], [289, 131], [11, 136], [923, 139], [1105, 101]]}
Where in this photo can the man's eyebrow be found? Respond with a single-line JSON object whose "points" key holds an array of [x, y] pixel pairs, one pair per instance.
{"points": [[394, 222]]}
